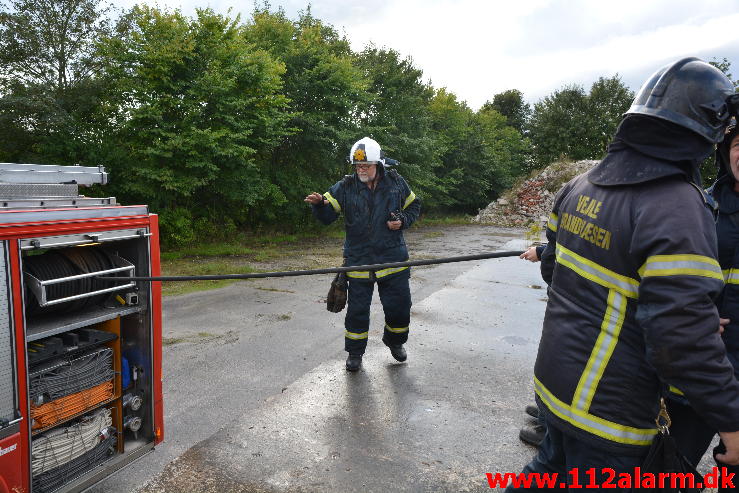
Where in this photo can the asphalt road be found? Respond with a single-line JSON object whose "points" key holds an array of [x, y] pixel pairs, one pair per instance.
{"points": [[257, 398]]}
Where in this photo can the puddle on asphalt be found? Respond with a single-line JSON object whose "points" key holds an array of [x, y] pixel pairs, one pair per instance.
{"points": [[516, 340]]}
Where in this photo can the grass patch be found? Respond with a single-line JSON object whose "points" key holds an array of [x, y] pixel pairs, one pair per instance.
{"points": [[200, 267], [433, 234], [168, 341], [284, 316], [209, 250]]}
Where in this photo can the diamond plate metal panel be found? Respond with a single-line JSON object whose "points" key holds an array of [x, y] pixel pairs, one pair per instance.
{"points": [[19, 190], [7, 370]]}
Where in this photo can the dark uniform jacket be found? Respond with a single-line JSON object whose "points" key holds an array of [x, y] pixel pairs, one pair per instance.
{"points": [[366, 212], [632, 265], [727, 230]]}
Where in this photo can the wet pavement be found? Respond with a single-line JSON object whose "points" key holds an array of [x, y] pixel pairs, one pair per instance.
{"points": [[263, 404]]}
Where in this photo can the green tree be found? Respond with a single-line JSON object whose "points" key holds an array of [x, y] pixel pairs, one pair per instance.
{"points": [[193, 105], [48, 84], [570, 123], [506, 152], [725, 66], [326, 94], [607, 102], [481, 154], [558, 126], [396, 113], [51, 42], [451, 127], [511, 104]]}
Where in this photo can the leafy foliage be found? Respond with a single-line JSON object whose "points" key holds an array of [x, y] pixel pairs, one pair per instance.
{"points": [[324, 92], [396, 113], [572, 124], [511, 105], [223, 125], [48, 83], [725, 66], [193, 104]]}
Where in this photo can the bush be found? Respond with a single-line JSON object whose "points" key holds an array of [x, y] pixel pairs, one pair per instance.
{"points": [[176, 227], [208, 229]]}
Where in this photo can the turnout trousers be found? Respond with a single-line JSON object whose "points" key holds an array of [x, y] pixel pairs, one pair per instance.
{"points": [[570, 459], [395, 296]]}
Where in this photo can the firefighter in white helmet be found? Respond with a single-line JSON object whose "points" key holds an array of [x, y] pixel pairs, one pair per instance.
{"points": [[377, 205]]}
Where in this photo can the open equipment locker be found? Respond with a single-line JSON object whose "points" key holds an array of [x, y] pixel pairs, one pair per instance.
{"points": [[80, 357]]}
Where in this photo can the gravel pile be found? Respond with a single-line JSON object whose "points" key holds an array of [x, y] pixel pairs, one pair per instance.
{"points": [[531, 201]]}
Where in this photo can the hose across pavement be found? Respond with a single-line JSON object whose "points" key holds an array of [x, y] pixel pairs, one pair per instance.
{"points": [[332, 270]]}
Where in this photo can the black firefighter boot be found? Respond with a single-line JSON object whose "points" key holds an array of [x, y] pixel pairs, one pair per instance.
{"points": [[353, 362], [398, 352], [533, 435]]}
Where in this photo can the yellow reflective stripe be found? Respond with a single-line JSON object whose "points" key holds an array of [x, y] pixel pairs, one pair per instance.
{"points": [[334, 203], [387, 272], [396, 330], [553, 222], [409, 200], [597, 273], [681, 265], [354, 336], [594, 424], [602, 351], [675, 390], [364, 274], [731, 276]]}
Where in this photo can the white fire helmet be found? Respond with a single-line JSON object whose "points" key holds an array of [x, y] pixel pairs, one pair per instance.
{"points": [[366, 150]]}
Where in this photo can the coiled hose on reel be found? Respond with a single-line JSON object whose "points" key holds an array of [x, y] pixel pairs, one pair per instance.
{"points": [[66, 263]]}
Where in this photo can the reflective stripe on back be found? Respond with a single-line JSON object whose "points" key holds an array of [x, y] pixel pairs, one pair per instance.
{"points": [[602, 351], [593, 424], [597, 273]]}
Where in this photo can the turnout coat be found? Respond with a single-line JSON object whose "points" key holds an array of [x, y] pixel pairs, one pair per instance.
{"points": [[366, 212], [634, 275]]}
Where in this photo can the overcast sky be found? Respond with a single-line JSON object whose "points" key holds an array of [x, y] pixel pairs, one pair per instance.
{"points": [[477, 48]]}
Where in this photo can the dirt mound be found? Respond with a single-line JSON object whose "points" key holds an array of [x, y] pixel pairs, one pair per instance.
{"points": [[530, 202]]}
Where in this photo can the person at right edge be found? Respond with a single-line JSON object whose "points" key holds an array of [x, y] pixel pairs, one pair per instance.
{"points": [[692, 433], [631, 264]]}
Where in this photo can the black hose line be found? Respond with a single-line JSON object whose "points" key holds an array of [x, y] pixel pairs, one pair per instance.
{"points": [[332, 270]]}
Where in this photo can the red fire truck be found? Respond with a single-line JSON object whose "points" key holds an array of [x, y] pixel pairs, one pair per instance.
{"points": [[80, 357]]}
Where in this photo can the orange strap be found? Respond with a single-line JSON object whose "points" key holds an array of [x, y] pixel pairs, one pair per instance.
{"points": [[60, 409]]}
